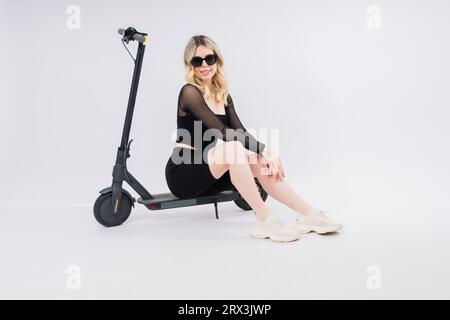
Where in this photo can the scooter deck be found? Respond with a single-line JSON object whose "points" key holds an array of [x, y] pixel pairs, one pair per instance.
{"points": [[168, 200]]}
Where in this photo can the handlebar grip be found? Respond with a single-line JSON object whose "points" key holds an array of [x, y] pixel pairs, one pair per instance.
{"points": [[139, 37], [132, 34]]}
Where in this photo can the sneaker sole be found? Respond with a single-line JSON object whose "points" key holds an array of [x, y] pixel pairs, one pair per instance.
{"points": [[278, 240], [308, 229]]}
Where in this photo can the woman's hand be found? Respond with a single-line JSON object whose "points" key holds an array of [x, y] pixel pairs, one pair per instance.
{"points": [[271, 161]]}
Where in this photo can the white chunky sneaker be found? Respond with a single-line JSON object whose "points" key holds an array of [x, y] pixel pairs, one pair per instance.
{"points": [[316, 221], [275, 229]]}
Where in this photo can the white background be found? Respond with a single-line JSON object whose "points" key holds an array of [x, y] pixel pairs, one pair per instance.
{"points": [[364, 134]]}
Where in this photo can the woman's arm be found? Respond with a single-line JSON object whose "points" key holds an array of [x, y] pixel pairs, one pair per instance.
{"points": [[234, 120], [191, 100], [270, 158]]}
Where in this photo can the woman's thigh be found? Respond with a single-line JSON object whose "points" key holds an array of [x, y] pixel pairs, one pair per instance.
{"points": [[189, 178], [221, 156]]}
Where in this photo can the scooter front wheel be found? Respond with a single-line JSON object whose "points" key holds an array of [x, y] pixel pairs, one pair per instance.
{"points": [[103, 214]]}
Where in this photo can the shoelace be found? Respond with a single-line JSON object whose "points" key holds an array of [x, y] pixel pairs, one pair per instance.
{"points": [[323, 215], [277, 221], [325, 218]]}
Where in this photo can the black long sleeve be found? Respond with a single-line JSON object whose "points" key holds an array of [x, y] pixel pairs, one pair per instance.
{"points": [[234, 120], [192, 101]]}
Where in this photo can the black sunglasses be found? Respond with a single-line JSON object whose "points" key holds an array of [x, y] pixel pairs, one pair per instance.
{"points": [[198, 61]]}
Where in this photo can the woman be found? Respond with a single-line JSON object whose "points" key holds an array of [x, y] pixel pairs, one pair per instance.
{"points": [[202, 167]]}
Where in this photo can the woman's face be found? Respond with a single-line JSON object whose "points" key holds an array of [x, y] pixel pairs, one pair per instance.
{"points": [[205, 72]]}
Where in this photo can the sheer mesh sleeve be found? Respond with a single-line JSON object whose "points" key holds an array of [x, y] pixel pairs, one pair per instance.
{"points": [[191, 100], [236, 123]]}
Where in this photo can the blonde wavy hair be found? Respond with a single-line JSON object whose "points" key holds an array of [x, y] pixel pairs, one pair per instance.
{"points": [[219, 86]]}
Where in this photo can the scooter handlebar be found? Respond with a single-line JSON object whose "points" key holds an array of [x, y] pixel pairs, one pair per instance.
{"points": [[132, 34]]}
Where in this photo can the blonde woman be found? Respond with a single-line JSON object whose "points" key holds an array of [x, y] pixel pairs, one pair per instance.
{"points": [[204, 101]]}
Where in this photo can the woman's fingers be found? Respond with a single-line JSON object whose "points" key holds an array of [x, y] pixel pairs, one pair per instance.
{"points": [[265, 168], [280, 175], [273, 167], [269, 167], [275, 170], [281, 168]]}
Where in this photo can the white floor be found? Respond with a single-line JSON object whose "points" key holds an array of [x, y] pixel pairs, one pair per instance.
{"points": [[188, 254]]}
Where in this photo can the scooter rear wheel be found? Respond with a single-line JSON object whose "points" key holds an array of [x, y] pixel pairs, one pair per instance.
{"points": [[103, 214]]}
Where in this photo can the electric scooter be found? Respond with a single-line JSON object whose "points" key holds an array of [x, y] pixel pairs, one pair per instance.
{"points": [[114, 205]]}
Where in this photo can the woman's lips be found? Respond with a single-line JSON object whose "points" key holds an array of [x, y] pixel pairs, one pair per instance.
{"points": [[205, 72]]}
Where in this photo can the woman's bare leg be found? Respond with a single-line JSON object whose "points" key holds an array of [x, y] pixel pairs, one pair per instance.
{"points": [[231, 156], [279, 190]]}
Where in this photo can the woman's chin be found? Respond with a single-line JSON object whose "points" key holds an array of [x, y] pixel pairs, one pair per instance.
{"points": [[206, 78]]}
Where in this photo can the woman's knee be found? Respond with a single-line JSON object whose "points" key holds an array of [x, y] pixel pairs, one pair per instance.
{"points": [[216, 165]]}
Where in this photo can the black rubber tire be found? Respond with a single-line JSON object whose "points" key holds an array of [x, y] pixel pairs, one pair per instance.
{"points": [[241, 203], [103, 214]]}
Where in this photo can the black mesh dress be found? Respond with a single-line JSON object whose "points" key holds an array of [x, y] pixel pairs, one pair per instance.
{"points": [[187, 171]]}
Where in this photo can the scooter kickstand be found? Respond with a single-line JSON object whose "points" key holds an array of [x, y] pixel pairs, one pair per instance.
{"points": [[215, 207]]}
